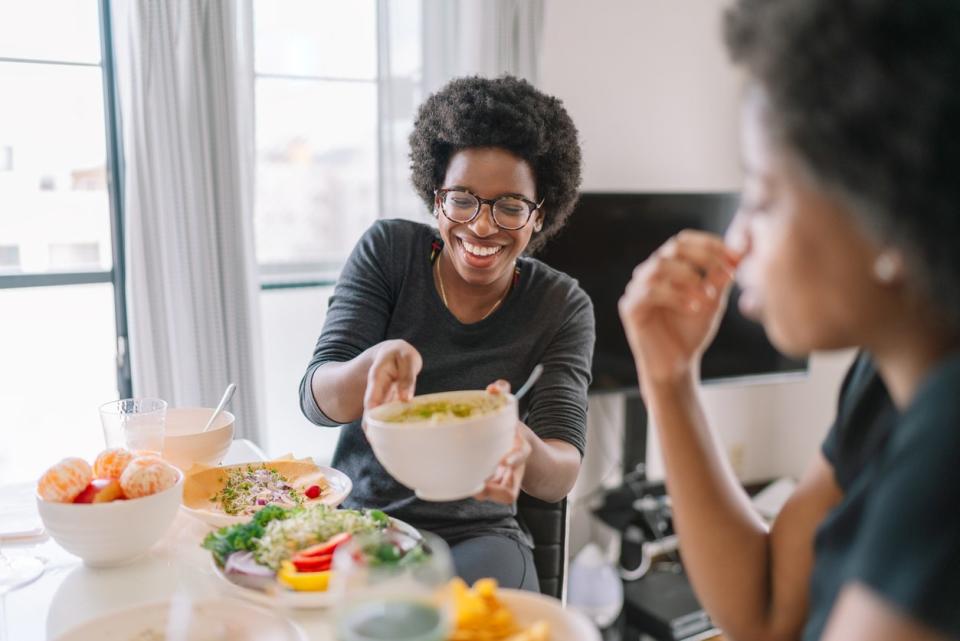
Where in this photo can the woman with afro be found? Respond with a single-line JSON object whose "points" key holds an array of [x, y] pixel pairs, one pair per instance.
{"points": [[426, 309]]}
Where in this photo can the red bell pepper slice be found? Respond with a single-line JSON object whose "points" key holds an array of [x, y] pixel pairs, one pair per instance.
{"points": [[312, 563], [327, 547]]}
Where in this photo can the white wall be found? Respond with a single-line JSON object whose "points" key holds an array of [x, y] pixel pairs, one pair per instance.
{"points": [[292, 320], [651, 90]]}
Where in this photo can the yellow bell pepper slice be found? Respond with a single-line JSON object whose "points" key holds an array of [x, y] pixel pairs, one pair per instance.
{"points": [[302, 581]]}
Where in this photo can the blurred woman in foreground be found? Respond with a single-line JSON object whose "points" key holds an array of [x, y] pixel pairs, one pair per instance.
{"points": [[847, 236]]}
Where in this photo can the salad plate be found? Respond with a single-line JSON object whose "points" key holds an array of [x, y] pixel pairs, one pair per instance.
{"points": [[206, 620], [231, 494], [255, 560]]}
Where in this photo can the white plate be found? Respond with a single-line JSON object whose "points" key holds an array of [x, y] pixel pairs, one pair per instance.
{"points": [[280, 597], [208, 619], [340, 487], [565, 625]]}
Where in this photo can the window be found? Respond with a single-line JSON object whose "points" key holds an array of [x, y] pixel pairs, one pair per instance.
{"points": [[58, 336], [321, 70], [316, 140]]}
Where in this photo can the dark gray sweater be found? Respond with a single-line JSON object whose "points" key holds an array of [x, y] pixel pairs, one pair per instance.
{"points": [[386, 291]]}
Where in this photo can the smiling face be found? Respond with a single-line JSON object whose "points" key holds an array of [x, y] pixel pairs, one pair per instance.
{"points": [[481, 253], [807, 273]]}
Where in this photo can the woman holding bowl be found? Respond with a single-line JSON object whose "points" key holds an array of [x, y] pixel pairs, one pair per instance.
{"points": [[847, 236], [427, 309]]}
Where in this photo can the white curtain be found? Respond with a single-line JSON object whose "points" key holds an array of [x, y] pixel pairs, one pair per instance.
{"points": [[481, 37], [399, 93], [185, 89]]}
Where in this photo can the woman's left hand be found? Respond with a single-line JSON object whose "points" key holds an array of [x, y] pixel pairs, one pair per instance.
{"points": [[504, 485]]}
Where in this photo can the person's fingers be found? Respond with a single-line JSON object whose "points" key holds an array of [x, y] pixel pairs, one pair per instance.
{"points": [[502, 487], [408, 364], [499, 386], [643, 297], [497, 494], [381, 384], [375, 392], [515, 459], [683, 276], [702, 250]]}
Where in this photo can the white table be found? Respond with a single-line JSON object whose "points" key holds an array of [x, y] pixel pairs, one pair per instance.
{"points": [[69, 593]]}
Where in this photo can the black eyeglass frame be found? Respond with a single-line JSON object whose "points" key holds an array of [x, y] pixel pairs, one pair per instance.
{"points": [[440, 195]]}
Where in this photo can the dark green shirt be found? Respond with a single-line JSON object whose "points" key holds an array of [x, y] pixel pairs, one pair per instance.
{"points": [[386, 291], [897, 529]]}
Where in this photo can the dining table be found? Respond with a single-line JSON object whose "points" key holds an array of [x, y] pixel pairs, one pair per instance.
{"points": [[68, 593]]}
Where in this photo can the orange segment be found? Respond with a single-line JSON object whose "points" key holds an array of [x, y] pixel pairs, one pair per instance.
{"points": [[111, 463], [146, 475], [65, 480]]}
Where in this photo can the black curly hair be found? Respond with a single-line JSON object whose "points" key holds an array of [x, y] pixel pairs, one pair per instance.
{"points": [[865, 93], [508, 113]]}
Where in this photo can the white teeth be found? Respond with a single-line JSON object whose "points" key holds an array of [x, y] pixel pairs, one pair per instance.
{"points": [[478, 250]]}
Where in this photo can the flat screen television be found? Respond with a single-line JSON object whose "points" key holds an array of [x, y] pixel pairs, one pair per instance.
{"points": [[611, 233]]}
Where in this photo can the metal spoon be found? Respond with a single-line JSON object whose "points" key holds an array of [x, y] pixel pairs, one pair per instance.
{"points": [[534, 375], [227, 395]]}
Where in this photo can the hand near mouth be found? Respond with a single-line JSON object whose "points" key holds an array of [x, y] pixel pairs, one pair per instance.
{"points": [[673, 304]]}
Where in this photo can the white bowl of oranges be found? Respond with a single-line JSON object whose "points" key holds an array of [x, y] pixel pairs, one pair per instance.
{"points": [[112, 512]]}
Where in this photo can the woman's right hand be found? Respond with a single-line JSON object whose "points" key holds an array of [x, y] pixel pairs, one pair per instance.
{"points": [[393, 374], [673, 304]]}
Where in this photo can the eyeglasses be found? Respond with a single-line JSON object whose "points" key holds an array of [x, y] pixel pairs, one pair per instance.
{"points": [[509, 212]]}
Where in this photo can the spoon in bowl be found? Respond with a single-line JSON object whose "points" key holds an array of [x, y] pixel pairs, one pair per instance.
{"points": [[227, 395], [534, 375]]}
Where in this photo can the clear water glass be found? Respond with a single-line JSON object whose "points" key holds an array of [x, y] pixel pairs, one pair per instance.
{"points": [[405, 600], [134, 423]]}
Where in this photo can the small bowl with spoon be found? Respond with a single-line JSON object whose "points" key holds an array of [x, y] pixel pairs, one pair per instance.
{"points": [[199, 435]]}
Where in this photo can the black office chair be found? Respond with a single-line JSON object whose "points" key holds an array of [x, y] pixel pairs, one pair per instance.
{"points": [[548, 524]]}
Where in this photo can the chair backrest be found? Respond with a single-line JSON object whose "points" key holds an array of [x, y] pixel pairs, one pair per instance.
{"points": [[548, 524]]}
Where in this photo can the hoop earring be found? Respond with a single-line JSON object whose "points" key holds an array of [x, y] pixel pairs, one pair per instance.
{"points": [[886, 267]]}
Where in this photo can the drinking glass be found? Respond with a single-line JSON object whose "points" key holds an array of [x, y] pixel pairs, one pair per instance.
{"points": [[393, 585], [16, 571], [134, 423]]}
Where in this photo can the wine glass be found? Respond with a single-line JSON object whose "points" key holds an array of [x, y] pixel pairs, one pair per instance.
{"points": [[393, 585], [16, 571]]}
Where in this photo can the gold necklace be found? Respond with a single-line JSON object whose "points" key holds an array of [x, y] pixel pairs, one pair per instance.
{"points": [[443, 293]]}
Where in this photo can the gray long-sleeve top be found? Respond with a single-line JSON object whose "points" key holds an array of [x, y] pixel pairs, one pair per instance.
{"points": [[386, 291]]}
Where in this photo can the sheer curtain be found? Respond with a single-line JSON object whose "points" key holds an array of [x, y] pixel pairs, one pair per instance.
{"points": [[481, 37], [184, 84]]}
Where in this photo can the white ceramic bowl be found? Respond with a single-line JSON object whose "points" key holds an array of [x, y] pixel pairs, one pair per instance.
{"points": [[113, 533], [202, 619], [565, 624], [184, 445], [444, 460]]}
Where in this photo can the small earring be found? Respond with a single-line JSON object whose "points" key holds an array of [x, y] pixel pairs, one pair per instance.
{"points": [[886, 268], [537, 226]]}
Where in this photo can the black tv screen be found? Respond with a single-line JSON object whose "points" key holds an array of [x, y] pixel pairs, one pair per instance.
{"points": [[608, 235]]}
